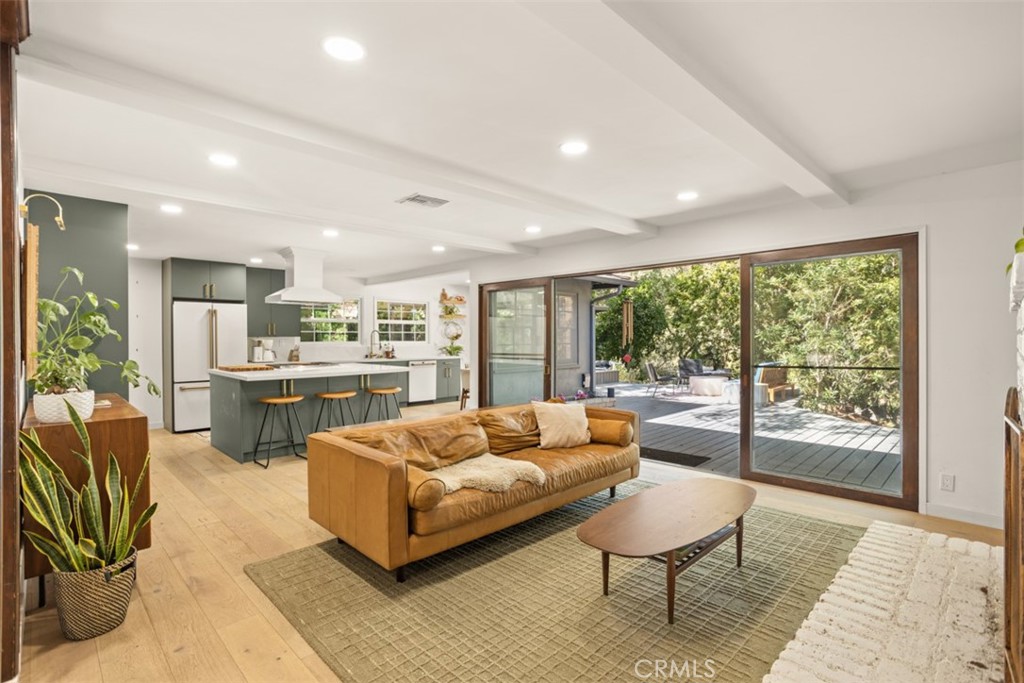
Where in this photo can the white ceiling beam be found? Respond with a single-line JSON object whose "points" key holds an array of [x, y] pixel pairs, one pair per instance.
{"points": [[623, 36], [47, 62], [51, 172], [415, 273]]}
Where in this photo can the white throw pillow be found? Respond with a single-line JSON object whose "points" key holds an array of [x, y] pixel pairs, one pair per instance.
{"points": [[561, 425]]}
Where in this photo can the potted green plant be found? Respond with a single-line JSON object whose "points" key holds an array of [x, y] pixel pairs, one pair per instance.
{"points": [[68, 330], [90, 546], [451, 349]]}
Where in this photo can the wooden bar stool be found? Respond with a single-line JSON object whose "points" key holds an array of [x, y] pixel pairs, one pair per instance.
{"points": [[380, 393], [327, 398], [272, 402]]}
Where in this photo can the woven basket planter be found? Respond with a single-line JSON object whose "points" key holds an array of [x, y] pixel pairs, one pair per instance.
{"points": [[91, 603]]}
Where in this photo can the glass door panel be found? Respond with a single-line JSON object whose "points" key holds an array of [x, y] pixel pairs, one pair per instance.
{"points": [[826, 370], [517, 350]]}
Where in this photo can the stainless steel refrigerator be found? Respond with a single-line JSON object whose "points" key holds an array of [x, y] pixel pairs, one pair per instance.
{"points": [[205, 335]]}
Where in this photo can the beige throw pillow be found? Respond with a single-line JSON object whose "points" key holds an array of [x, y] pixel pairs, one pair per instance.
{"points": [[561, 426]]}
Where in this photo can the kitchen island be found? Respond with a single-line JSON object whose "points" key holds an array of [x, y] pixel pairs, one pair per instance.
{"points": [[235, 410]]}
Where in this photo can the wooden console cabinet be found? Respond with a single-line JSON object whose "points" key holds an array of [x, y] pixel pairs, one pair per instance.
{"points": [[120, 428]]}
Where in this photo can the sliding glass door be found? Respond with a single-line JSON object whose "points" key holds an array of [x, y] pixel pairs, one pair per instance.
{"points": [[829, 370], [516, 340]]}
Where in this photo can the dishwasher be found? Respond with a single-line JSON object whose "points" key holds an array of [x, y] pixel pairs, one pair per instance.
{"points": [[422, 380]]}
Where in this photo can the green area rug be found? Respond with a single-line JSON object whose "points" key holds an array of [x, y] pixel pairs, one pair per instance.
{"points": [[525, 604]]}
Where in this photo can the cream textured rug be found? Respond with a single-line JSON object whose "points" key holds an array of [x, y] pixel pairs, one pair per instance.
{"points": [[909, 606], [525, 604]]}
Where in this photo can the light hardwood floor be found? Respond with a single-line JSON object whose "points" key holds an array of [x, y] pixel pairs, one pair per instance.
{"points": [[196, 616]]}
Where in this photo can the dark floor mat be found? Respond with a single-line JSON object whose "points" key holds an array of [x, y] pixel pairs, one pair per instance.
{"points": [[684, 459]]}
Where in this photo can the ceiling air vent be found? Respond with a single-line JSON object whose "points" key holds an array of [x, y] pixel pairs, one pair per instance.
{"points": [[423, 200]]}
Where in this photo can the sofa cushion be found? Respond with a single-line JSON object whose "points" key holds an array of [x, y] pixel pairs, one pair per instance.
{"points": [[564, 468], [561, 426], [510, 429], [428, 445], [616, 432], [425, 490]]}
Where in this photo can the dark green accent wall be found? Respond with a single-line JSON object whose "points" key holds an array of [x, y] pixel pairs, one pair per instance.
{"points": [[94, 242]]}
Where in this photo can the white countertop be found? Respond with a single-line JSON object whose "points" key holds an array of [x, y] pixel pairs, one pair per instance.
{"points": [[349, 369]]}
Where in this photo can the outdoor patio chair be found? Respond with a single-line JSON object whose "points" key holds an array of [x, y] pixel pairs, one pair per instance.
{"points": [[654, 380], [689, 367], [776, 378]]}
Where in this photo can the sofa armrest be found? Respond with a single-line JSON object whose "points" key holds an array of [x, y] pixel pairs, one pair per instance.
{"points": [[359, 495], [600, 413]]}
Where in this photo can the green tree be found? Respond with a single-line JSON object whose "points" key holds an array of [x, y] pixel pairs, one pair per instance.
{"points": [[834, 312]]}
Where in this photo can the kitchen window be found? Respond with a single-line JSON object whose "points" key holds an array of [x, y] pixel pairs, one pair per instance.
{"points": [[401, 321], [330, 322]]}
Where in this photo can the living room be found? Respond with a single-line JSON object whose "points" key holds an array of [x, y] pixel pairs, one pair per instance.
{"points": [[530, 144]]}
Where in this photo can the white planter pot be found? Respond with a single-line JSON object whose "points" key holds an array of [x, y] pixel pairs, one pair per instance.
{"points": [[51, 407]]}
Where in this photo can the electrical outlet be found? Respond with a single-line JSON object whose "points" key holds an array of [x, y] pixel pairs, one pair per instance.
{"points": [[948, 482]]}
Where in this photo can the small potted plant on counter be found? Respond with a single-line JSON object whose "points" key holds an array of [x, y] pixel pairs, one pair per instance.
{"points": [[90, 544], [68, 330]]}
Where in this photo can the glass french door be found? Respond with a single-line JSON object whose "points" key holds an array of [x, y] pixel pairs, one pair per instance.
{"points": [[829, 369], [516, 339]]}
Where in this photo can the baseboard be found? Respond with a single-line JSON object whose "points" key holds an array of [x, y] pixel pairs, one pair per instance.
{"points": [[961, 515], [156, 424]]}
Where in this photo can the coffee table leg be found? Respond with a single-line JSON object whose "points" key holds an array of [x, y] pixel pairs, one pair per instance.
{"points": [[670, 580], [739, 541], [604, 571]]}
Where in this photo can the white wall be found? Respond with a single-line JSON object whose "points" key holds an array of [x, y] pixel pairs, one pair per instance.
{"points": [[145, 334], [969, 222], [422, 290]]}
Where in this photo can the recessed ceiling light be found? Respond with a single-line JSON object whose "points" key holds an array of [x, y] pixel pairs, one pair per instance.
{"points": [[345, 49], [170, 208], [255, 259], [574, 147], [223, 160], [331, 232], [437, 248], [468, 281], [687, 196], [131, 247], [533, 229]]}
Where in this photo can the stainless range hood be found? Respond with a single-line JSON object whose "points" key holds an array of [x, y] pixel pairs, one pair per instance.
{"points": [[303, 280]]}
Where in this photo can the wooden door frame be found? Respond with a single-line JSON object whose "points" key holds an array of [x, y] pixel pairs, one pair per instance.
{"points": [[14, 28], [483, 379], [908, 247]]}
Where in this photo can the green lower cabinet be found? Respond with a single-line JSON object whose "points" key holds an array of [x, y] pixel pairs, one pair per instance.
{"points": [[449, 379]]}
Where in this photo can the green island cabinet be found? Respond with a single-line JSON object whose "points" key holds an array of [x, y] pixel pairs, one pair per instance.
{"points": [[207, 280], [269, 320], [449, 379]]}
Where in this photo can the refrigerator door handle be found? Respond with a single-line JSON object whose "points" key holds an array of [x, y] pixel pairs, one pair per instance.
{"points": [[216, 339], [209, 339]]}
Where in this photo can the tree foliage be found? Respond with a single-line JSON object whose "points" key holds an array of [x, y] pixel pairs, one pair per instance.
{"points": [[829, 312], [834, 312]]}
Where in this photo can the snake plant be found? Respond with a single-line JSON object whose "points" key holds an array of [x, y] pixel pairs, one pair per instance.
{"points": [[80, 537]]}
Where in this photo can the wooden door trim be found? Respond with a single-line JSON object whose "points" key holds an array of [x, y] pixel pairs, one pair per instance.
{"points": [[907, 246], [483, 381]]}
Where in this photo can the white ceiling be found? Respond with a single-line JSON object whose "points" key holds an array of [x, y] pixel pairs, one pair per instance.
{"points": [[743, 102]]}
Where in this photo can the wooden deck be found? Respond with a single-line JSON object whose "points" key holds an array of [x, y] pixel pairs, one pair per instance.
{"points": [[787, 440]]}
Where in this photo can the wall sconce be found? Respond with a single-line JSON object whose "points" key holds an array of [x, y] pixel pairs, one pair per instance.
{"points": [[58, 219]]}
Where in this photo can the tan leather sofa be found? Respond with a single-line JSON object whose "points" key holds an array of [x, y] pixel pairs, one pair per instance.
{"points": [[371, 485]]}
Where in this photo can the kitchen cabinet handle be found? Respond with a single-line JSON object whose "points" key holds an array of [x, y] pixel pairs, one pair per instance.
{"points": [[273, 329], [206, 388], [206, 288], [213, 289], [268, 330]]}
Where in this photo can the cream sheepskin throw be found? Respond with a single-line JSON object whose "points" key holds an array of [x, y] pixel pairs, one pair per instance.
{"points": [[488, 473]]}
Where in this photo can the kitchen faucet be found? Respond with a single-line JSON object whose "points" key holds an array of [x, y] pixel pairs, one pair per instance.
{"points": [[371, 354]]}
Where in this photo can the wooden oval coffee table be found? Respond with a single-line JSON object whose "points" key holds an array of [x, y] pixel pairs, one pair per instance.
{"points": [[686, 518]]}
